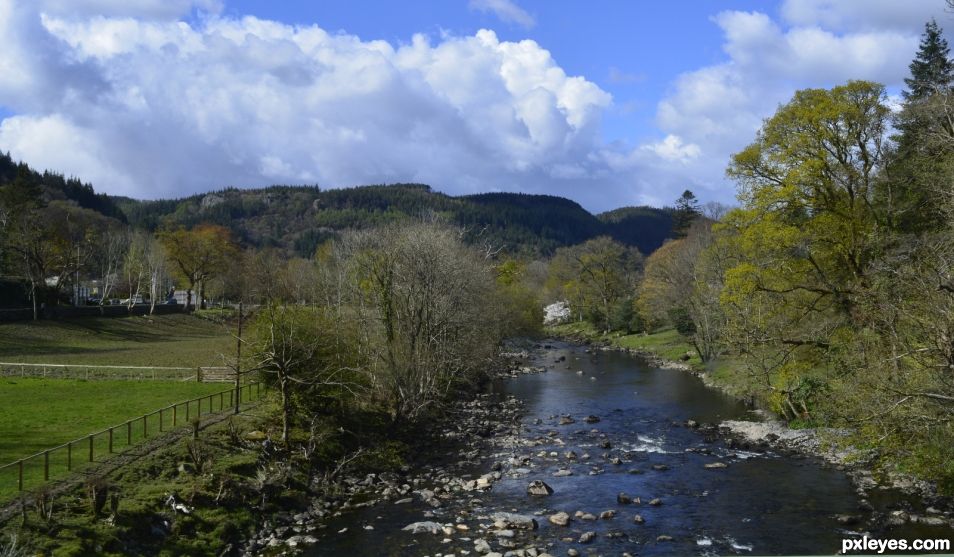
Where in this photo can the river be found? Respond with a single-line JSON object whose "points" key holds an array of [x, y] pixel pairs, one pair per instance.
{"points": [[760, 503]]}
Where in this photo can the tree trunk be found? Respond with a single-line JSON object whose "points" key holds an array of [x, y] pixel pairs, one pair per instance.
{"points": [[33, 297], [286, 407], [202, 295]]}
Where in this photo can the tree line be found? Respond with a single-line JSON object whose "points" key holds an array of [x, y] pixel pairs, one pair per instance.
{"points": [[830, 288]]}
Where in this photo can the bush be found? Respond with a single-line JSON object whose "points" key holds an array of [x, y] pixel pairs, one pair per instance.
{"points": [[682, 321]]}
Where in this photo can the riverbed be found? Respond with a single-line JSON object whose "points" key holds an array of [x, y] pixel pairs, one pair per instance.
{"points": [[599, 424]]}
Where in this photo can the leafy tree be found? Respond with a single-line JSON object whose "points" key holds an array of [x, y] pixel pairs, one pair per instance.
{"points": [[595, 275], [808, 233], [198, 255]]}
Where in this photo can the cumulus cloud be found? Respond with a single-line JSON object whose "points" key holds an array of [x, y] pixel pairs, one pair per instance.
{"points": [[159, 107], [506, 10]]}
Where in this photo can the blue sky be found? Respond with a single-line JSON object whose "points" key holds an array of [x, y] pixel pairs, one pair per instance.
{"points": [[610, 104]]}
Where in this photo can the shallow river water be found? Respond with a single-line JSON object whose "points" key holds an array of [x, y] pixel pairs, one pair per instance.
{"points": [[759, 504]]}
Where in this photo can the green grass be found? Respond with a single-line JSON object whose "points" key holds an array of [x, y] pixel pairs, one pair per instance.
{"points": [[161, 340], [667, 344], [37, 414]]}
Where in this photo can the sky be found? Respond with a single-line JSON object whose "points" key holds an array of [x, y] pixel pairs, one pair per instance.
{"points": [[609, 103]]}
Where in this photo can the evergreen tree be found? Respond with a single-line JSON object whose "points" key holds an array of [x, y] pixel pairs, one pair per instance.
{"points": [[686, 211], [931, 70]]}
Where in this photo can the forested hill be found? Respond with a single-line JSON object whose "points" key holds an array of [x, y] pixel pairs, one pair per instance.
{"points": [[297, 218], [55, 187]]}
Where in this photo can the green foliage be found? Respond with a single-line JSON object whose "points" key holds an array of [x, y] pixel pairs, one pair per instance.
{"points": [[682, 321], [931, 71], [684, 213]]}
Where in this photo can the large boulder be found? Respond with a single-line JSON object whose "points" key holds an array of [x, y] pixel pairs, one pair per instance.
{"points": [[539, 488]]}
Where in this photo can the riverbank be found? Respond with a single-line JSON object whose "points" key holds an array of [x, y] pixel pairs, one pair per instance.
{"points": [[669, 350]]}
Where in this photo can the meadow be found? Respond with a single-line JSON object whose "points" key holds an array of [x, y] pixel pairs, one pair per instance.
{"points": [[175, 340]]}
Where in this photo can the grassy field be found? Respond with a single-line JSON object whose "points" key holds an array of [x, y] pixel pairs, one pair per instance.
{"points": [[161, 340], [37, 414], [667, 343]]}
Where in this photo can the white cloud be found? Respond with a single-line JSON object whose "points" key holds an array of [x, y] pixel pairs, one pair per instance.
{"points": [[159, 108], [506, 10], [672, 148], [718, 108], [862, 15]]}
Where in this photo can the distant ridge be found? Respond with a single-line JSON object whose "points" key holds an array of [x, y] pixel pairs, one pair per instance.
{"points": [[296, 219]]}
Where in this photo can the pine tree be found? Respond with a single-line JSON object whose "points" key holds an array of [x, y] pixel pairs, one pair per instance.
{"points": [[931, 70], [686, 211]]}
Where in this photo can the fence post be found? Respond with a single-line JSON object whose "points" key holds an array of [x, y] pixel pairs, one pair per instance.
{"points": [[69, 456], [160, 420], [238, 361], [198, 374], [110, 440], [20, 478], [91, 448], [175, 408], [198, 406], [187, 410], [46, 466], [145, 432], [129, 432]]}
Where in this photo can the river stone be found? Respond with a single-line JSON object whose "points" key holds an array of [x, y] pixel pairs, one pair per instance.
{"points": [[567, 420], [655, 502], [560, 519], [572, 553], [638, 519], [426, 527], [605, 515], [519, 521], [623, 499], [404, 501], [592, 419], [663, 538], [481, 546], [587, 537], [539, 487], [712, 465], [563, 472], [660, 467]]}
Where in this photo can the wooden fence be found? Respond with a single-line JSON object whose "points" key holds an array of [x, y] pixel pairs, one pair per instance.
{"points": [[128, 373], [33, 471]]}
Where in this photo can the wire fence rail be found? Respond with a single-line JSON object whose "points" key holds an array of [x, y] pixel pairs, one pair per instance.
{"points": [[206, 374], [36, 470]]}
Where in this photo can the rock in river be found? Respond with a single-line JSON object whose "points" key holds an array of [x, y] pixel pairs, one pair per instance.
{"points": [[424, 528], [518, 521], [560, 519], [538, 487]]}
